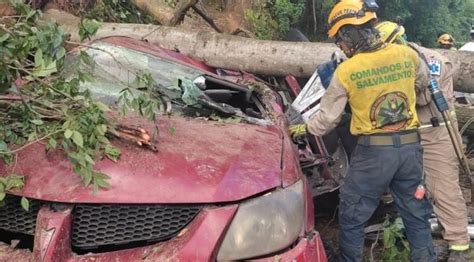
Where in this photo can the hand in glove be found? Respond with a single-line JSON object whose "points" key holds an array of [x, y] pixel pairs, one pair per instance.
{"points": [[297, 131]]}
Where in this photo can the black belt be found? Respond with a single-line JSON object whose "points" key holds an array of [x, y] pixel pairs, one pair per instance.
{"points": [[390, 139]]}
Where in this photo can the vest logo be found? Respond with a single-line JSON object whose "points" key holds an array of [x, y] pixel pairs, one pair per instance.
{"points": [[390, 112], [383, 75]]}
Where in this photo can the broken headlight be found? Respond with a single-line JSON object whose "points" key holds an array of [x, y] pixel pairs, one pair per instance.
{"points": [[265, 224]]}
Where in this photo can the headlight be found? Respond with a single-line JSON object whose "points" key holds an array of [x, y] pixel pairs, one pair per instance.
{"points": [[265, 225]]}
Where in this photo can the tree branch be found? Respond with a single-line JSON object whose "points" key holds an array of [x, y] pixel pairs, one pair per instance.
{"points": [[206, 18], [180, 11]]}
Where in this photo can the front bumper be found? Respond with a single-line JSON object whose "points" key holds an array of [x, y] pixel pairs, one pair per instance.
{"points": [[199, 241]]}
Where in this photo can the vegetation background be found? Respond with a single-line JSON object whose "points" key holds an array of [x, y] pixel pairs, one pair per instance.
{"points": [[424, 20]]}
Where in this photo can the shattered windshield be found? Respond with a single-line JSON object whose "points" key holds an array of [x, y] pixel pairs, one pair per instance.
{"points": [[190, 90]]}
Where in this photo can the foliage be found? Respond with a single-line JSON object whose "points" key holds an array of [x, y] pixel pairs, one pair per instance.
{"points": [[10, 182], [143, 103], [395, 244], [49, 106], [171, 3], [286, 12], [274, 18], [424, 20], [262, 23], [88, 28], [118, 11]]}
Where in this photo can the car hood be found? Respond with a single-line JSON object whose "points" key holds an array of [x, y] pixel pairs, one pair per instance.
{"points": [[198, 162]]}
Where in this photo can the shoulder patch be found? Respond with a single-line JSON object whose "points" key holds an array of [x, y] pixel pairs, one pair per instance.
{"points": [[435, 67]]}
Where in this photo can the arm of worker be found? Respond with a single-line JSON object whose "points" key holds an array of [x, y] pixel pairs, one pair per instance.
{"points": [[331, 108], [422, 81], [446, 82]]}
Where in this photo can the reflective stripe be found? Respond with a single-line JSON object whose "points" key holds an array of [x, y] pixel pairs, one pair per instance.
{"points": [[459, 247], [430, 125]]}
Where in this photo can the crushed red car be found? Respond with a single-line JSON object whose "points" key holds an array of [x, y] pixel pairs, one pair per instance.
{"points": [[225, 184]]}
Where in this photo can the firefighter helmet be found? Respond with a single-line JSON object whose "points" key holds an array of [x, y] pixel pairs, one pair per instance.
{"points": [[391, 32], [446, 39], [350, 12]]}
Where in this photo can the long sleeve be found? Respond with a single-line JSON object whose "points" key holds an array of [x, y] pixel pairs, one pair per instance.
{"points": [[331, 108], [422, 75], [422, 81]]}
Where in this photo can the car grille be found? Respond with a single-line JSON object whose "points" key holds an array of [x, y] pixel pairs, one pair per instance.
{"points": [[102, 225], [14, 218], [96, 226]]}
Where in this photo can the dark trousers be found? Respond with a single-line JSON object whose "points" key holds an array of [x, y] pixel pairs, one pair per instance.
{"points": [[372, 170]]}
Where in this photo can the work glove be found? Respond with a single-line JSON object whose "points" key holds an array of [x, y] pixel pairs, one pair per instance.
{"points": [[297, 131]]}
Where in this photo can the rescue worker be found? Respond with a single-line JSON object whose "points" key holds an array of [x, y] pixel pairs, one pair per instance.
{"points": [[446, 41], [379, 81], [439, 158]]}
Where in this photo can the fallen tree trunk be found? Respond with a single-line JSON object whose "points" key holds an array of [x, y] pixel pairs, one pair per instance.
{"points": [[238, 53], [463, 66], [464, 115]]}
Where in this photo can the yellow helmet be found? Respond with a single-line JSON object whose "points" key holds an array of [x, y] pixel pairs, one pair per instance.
{"points": [[391, 32], [446, 39], [350, 12]]}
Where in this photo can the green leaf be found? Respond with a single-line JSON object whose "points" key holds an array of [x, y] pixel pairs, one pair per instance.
{"points": [[77, 138], [2, 191], [32, 136], [172, 130], [102, 183], [39, 58], [95, 188], [68, 133], [52, 143], [25, 204], [88, 28], [45, 70], [85, 77], [14, 181], [85, 58], [87, 178], [60, 53], [37, 122], [3, 146], [102, 106], [112, 152], [101, 129], [89, 159], [4, 37]]}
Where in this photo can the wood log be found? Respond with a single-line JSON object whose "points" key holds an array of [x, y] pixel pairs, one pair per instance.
{"points": [[463, 66], [465, 114], [277, 58]]}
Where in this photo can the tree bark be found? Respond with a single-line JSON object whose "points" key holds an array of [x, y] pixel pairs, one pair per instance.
{"points": [[180, 11], [155, 8], [465, 114], [463, 63], [277, 58]]}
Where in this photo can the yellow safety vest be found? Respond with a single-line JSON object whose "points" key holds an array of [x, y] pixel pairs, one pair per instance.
{"points": [[381, 89]]}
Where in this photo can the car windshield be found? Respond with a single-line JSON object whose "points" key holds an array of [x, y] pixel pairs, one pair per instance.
{"points": [[116, 68]]}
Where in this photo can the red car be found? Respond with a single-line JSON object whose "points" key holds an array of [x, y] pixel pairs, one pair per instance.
{"points": [[224, 185]]}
